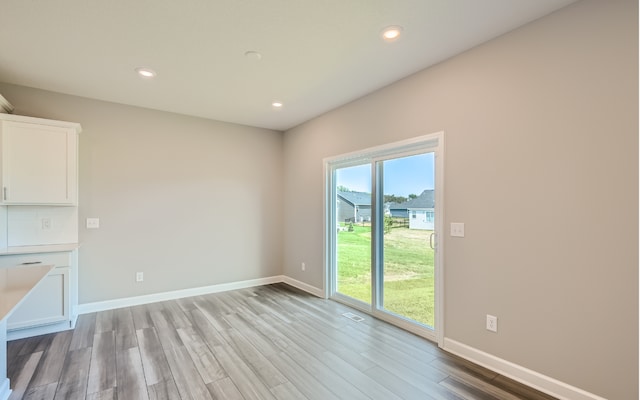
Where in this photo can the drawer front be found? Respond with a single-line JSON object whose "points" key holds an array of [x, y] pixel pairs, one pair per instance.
{"points": [[60, 259]]}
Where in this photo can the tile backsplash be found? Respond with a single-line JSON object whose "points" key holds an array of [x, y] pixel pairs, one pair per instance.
{"points": [[41, 225]]}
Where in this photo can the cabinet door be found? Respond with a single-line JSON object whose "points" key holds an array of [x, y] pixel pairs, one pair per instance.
{"points": [[39, 164], [47, 304]]}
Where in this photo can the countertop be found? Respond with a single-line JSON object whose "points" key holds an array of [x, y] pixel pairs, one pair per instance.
{"points": [[51, 248], [16, 283]]}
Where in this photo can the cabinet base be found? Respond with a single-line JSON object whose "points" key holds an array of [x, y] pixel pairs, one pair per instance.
{"points": [[5, 391], [41, 330]]}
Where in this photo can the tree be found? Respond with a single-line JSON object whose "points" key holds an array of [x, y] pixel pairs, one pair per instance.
{"points": [[392, 198], [341, 188], [388, 223], [413, 196]]}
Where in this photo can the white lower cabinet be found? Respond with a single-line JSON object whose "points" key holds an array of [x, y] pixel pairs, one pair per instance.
{"points": [[47, 304], [51, 306]]}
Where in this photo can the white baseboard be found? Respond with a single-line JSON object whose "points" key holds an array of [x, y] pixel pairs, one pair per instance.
{"points": [[303, 286], [176, 294], [519, 373]]}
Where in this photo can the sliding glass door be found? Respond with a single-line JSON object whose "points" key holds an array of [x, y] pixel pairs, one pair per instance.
{"points": [[383, 220], [406, 255]]}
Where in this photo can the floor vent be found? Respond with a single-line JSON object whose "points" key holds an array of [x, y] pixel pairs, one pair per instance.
{"points": [[352, 316]]}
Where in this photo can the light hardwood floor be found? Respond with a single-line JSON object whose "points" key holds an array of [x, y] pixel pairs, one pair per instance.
{"points": [[268, 342]]}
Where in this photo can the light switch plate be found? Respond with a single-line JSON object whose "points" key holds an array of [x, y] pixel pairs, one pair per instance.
{"points": [[457, 229], [93, 223]]}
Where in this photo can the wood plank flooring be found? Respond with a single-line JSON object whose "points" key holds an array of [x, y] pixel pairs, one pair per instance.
{"points": [[267, 342]]}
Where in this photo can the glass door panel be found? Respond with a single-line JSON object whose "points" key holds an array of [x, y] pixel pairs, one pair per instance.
{"points": [[353, 232], [407, 255]]}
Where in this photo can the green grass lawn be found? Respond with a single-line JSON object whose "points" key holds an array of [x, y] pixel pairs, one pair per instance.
{"points": [[408, 270]]}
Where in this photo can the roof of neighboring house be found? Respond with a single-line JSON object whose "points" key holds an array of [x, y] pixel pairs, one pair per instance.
{"points": [[425, 200], [356, 198]]}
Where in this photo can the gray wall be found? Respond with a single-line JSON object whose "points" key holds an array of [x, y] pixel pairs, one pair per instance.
{"points": [[541, 132], [190, 202]]}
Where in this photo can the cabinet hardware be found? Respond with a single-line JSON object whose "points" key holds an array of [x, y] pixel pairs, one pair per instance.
{"points": [[4, 193], [31, 262]]}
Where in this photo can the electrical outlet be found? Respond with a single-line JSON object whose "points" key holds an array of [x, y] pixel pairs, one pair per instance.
{"points": [[492, 323], [139, 276], [457, 229], [303, 267], [46, 223]]}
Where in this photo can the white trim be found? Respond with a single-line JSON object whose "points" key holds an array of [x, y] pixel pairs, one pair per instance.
{"points": [[5, 387], [328, 214], [304, 287], [42, 329], [42, 121], [177, 294], [409, 326], [413, 144], [439, 320], [5, 391], [5, 107], [519, 373]]}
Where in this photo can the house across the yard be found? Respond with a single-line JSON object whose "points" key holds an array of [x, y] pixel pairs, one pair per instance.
{"points": [[354, 206], [419, 210]]}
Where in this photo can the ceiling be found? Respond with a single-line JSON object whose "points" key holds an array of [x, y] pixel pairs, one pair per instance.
{"points": [[316, 55]]}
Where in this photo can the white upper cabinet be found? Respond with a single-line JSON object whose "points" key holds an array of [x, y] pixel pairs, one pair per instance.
{"points": [[39, 161]]}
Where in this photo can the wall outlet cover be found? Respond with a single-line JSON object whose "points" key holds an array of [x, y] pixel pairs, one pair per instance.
{"points": [[492, 323], [457, 229]]}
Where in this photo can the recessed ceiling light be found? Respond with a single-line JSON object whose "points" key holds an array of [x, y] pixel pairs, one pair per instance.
{"points": [[277, 104], [391, 33], [253, 55], [145, 72]]}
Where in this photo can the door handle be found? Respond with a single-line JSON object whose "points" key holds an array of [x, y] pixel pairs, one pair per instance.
{"points": [[431, 243]]}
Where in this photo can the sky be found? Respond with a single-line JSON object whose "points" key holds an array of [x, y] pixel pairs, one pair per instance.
{"points": [[402, 176]]}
